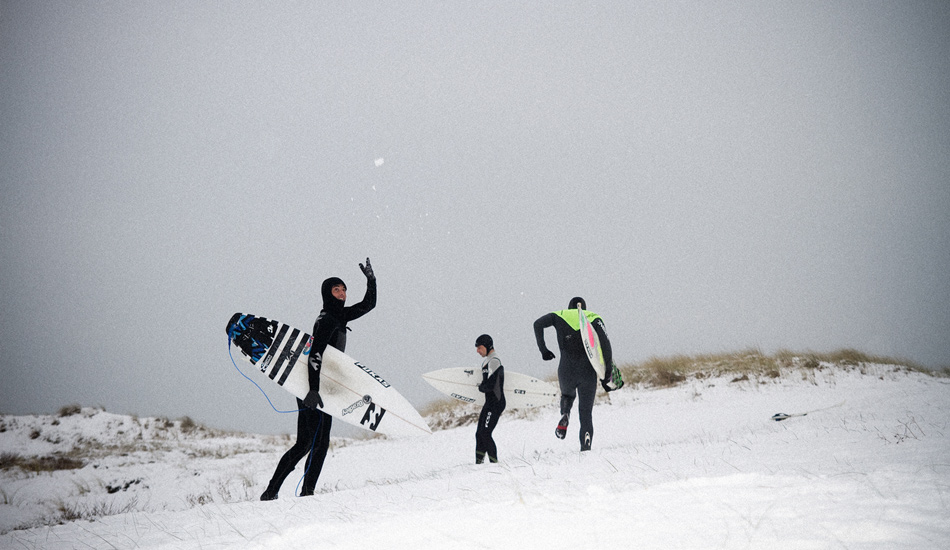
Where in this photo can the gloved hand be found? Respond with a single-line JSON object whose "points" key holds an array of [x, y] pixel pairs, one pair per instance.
{"points": [[313, 400], [367, 270], [547, 354], [483, 386], [613, 381]]}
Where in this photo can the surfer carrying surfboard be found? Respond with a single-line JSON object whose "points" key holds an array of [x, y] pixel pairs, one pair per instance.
{"points": [[313, 425], [493, 386], [576, 377]]}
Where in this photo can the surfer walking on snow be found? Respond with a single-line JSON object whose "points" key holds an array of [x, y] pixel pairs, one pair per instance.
{"points": [[313, 425], [493, 386], [576, 377]]}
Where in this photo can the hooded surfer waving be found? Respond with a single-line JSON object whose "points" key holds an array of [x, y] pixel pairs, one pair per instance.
{"points": [[313, 425]]}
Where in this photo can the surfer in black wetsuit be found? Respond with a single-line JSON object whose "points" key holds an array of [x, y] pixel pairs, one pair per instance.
{"points": [[576, 377], [493, 386], [313, 425]]}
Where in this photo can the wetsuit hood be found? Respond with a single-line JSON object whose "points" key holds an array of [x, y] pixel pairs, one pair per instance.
{"points": [[330, 303], [485, 340]]}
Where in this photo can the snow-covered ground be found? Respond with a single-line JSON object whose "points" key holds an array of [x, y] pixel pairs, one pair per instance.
{"points": [[701, 465]]}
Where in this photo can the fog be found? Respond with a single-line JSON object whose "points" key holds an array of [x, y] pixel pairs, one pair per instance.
{"points": [[709, 176]]}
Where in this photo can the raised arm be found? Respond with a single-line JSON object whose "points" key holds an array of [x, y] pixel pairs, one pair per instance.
{"points": [[542, 323], [369, 299]]}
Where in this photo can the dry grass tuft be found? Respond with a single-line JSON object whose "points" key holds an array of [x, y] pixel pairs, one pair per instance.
{"points": [[657, 372], [70, 410], [449, 413], [36, 464]]}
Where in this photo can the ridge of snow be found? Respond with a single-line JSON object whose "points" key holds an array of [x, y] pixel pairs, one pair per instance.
{"points": [[699, 465]]}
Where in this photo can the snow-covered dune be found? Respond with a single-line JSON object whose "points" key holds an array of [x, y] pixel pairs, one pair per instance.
{"points": [[700, 465]]}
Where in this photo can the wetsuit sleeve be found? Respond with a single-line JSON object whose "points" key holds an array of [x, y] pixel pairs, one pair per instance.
{"points": [[601, 331], [499, 388], [322, 331], [494, 384], [484, 385], [366, 304], [542, 323]]}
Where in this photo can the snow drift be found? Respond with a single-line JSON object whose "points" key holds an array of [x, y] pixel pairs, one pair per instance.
{"points": [[699, 465]]}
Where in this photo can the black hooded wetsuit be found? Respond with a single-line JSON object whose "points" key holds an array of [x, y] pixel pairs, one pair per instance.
{"points": [[493, 386], [313, 425]]}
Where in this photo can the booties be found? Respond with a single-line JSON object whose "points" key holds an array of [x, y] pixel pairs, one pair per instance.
{"points": [[561, 430]]}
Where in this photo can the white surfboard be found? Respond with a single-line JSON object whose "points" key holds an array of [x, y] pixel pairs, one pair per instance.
{"points": [[521, 391], [351, 391], [591, 344]]}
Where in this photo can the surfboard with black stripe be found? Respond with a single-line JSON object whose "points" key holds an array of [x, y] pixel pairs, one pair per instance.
{"points": [[351, 391]]}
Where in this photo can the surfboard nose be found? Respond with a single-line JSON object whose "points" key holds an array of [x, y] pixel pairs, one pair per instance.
{"points": [[234, 320]]}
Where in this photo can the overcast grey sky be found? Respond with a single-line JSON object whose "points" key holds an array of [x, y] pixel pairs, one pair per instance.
{"points": [[710, 176]]}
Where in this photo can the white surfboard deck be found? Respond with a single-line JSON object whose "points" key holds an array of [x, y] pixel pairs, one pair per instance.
{"points": [[521, 391], [351, 391], [591, 344]]}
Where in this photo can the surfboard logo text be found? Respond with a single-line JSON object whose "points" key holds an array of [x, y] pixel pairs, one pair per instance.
{"points": [[375, 376], [366, 400]]}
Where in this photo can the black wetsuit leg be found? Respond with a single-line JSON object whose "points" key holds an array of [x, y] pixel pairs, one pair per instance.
{"points": [[309, 422], [487, 420]]}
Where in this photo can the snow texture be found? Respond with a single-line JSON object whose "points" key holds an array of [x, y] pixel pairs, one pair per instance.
{"points": [[701, 465]]}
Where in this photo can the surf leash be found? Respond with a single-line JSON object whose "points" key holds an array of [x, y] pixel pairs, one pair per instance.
{"points": [[255, 383], [778, 417], [315, 435]]}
